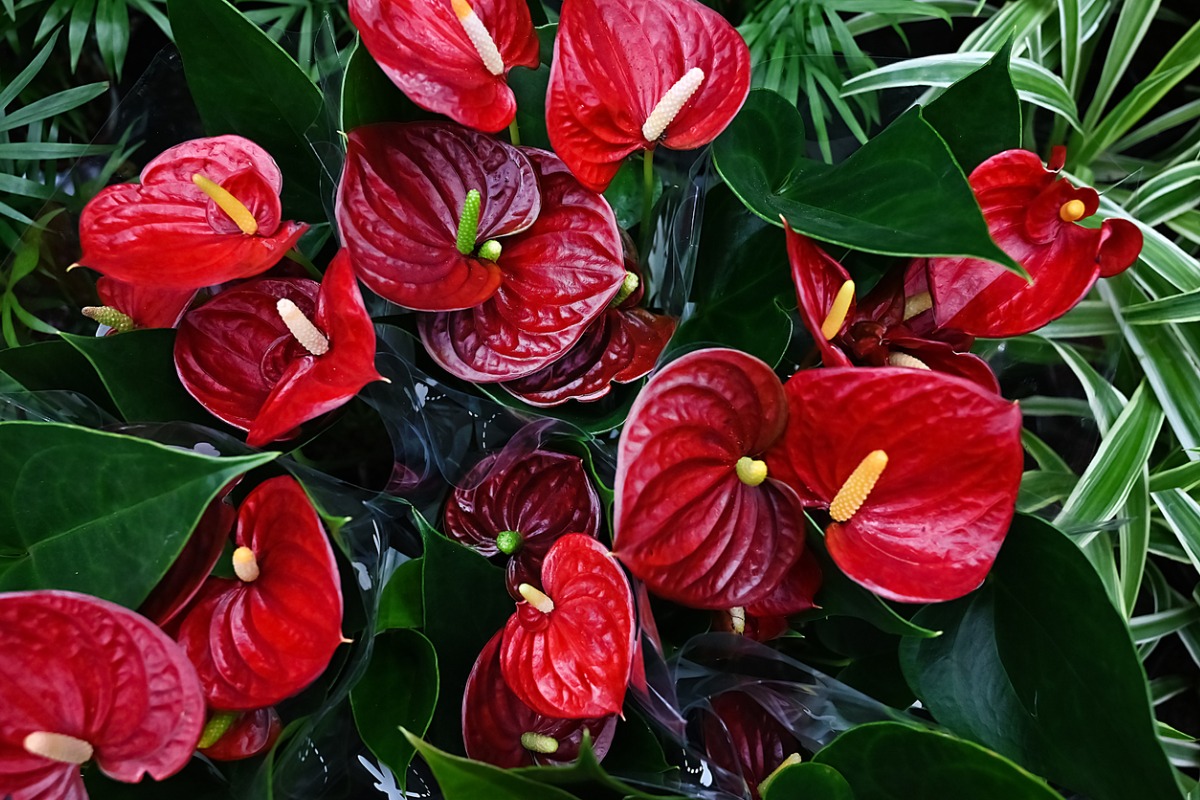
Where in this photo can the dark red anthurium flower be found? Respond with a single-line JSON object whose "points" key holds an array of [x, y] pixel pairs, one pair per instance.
{"points": [[1032, 214], [767, 618], [206, 211], [518, 504], [621, 346], [271, 354], [451, 57], [233, 736], [628, 75], [919, 471], [888, 328], [558, 276], [270, 632], [746, 740], [568, 650], [698, 516], [83, 679], [127, 306], [499, 729], [403, 210]]}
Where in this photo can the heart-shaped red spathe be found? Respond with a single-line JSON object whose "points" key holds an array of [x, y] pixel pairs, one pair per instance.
{"points": [[82, 667], [424, 48], [1023, 203], [614, 60], [558, 276], [686, 524], [574, 661], [932, 525], [252, 733], [538, 494], [257, 642], [165, 232], [400, 201], [494, 719], [237, 357]]}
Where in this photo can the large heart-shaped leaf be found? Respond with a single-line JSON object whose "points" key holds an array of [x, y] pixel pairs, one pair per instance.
{"points": [[463, 779], [121, 506], [979, 115], [857, 202]]}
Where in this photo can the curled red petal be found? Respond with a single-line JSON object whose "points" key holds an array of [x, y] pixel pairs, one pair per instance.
{"points": [[619, 347], [256, 643], [166, 232], [494, 719], [1021, 201], [232, 351], [558, 276], [147, 306], [613, 62], [575, 661], [795, 593], [539, 494], [252, 733], [400, 201], [686, 524], [817, 278], [312, 385], [932, 525], [83, 667], [426, 52]]}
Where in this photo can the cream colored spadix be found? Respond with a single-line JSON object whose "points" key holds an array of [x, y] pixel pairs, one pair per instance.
{"points": [[751, 471], [536, 598], [539, 743], [669, 106], [307, 334], [1072, 210], [905, 360], [485, 45], [917, 304], [858, 486], [245, 564], [737, 619], [58, 747], [225, 201], [838, 311]]}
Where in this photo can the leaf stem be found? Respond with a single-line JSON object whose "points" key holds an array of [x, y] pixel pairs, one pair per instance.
{"points": [[514, 133]]}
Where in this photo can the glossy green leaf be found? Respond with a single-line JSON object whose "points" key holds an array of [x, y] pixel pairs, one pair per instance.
{"points": [[1041, 488], [49, 107], [892, 761], [464, 779], [980, 115], [854, 203], [1023, 661], [398, 691], [1167, 194], [369, 96], [1117, 465], [1182, 515], [54, 365], [400, 601], [586, 774], [625, 192], [1014, 22], [138, 369], [1070, 24], [1106, 402], [1134, 540], [99, 513], [259, 93], [1176, 308], [465, 604], [742, 288], [806, 780], [1132, 23], [1184, 477]]}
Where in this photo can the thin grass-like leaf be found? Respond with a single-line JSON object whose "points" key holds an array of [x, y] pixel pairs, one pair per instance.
{"points": [[1040, 488], [1120, 460], [1162, 623], [1014, 22], [1159, 253], [1177, 308], [1173, 118], [1043, 406], [38, 151], [77, 29], [1089, 318], [25, 76], [1132, 24], [1070, 23], [53, 15], [1167, 194], [1182, 515], [1106, 402], [112, 33], [1047, 457], [55, 104], [1185, 477], [1133, 540]]}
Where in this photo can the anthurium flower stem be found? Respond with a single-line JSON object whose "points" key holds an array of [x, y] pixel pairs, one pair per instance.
{"points": [[647, 197], [514, 133]]}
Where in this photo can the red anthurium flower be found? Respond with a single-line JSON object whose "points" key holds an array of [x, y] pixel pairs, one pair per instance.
{"points": [[416, 233], [499, 729], [767, 618], [919, 471], [568, 650], [698, 517], [519, 503], [271, 354], [621, 346], [746, 740], [451, 56], [629, 74], [558, 276], [235, 735], [888, 328], [129, 305], [206, 211], [82, 679], [1032, 215], [270, 632]]}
